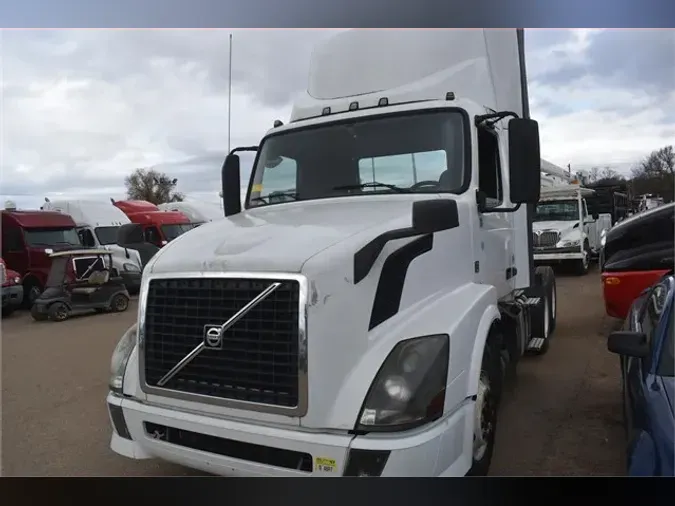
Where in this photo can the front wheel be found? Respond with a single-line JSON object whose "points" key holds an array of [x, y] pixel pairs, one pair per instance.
{"points": [[582, 266], [32, 290], [119, 303], [485, 410], [58, 312]]}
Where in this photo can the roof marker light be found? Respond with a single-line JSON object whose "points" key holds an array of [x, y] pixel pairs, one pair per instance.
{"points": [[353, 106], [326, 111], [383, 101], [450, 96]]}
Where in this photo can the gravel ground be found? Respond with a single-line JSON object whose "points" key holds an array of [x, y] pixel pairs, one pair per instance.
{"points": [[561, 416]]}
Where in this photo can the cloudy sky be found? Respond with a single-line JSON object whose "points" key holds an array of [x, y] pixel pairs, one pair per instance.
{"points": [[81, 109]]}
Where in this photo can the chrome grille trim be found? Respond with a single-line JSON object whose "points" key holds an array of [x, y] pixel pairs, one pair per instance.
{"points": [[298, 411]]}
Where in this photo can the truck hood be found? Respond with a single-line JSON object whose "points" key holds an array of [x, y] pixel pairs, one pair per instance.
{"points": [[278, 238], [559, 226]]}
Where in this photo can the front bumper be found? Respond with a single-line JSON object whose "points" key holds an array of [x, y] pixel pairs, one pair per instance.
{"points": [[12, 295], [558, 254], [235, 448]]}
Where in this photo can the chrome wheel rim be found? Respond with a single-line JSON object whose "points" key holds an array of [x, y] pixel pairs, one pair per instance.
{"points": [[482, 423]]}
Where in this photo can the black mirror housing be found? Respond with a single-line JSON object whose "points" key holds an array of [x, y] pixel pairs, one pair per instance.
{"points": [[595, 216], [435, 215], [524, 161], [231, 184], [628, 344]]}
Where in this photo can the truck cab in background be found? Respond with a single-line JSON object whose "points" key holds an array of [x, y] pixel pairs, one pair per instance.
{"points": [[12, 289], [197, 212], [159, 227], [563, 229], [97, 225], [28, 240], [378, 281]]}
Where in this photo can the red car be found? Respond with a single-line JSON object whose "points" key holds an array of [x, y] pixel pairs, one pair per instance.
{"points": [[12, 289], [637, 252]]}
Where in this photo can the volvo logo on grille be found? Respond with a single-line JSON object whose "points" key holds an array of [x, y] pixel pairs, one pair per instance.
{"points": [[213, 337]]}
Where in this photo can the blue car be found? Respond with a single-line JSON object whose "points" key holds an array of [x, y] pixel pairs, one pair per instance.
{"points": [[645, 345]]}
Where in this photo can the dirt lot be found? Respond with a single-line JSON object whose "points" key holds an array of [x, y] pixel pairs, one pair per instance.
{"points": [[562, 416]]}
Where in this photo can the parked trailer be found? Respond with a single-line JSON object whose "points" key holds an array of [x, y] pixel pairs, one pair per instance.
{"points": [[361, 325]]}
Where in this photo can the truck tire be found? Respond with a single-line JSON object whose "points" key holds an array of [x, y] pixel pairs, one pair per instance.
{"points": [[487, 404], [581, 267], [32, 289]]}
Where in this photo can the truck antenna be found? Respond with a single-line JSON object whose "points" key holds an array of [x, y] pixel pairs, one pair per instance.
{"points": [[229, 98]]}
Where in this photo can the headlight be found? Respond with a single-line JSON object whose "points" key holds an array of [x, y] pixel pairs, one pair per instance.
{"points": [[17, 280], [120, 357], [129, 267], [409, 388]]}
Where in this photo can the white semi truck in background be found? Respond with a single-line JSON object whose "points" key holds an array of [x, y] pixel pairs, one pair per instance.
{"points": [[563, 229], [362, 321], [97, 225]]}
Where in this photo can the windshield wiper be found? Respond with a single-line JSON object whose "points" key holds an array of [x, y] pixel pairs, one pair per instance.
{"points": [[264, 199], [374, 184]]}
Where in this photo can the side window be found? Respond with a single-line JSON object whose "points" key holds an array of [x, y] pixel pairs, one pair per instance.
{"points": [[404, 170], [152, 235], [489, 165], [651, 315], [86, 237], [276, 184], [12, 240]]}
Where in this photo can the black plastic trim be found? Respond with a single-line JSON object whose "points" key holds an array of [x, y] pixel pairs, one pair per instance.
{"points": [[392, 278]]}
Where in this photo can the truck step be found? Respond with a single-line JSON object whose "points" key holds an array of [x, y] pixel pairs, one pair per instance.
{"points": [[535, 343], [532, 301]]}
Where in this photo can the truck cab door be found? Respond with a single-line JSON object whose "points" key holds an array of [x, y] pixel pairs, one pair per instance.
{"points": [[14, 251], [589, 226]]}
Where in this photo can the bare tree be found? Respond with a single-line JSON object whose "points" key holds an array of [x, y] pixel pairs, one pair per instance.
{"points": [[609, 173], [594, 174], [656, 174], [152, 186]]}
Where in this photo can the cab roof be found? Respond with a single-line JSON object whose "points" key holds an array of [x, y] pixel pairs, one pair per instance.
{"points": [[39, 219]]}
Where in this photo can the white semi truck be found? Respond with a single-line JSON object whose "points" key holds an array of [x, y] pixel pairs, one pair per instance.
{"points": [[362, 321], [563, 229], [97, 225]]}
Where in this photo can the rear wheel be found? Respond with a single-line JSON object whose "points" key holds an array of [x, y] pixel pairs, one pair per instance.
{"points": [[37, 315], [32, 290], [58, 312], [119, 303], [485, 410]]}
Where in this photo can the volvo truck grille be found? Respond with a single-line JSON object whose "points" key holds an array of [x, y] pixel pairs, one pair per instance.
{"points": [[545, 239], [193, 345]]}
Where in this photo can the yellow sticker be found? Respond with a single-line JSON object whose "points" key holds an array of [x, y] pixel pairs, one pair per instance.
{"points": [[324, 464], [256, 188]]}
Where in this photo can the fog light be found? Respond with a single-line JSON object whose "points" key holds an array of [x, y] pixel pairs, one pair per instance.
{"points": [[366, 462]]}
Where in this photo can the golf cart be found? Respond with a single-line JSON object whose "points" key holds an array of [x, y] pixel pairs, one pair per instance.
{"points": [[79, 281]]}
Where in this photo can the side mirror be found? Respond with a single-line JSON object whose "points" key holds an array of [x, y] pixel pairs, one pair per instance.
{"points": [[595, 216], [524, 161], [429, 216], [628, 344], [130, 234], [231, 185]]}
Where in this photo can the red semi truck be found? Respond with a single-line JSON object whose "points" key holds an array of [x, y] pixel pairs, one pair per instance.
{"points": [[28, 238], [159, 227]]}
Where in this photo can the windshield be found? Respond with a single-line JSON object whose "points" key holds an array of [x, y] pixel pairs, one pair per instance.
{"points": [[559, 210], [174, 230], [45, 237], [107, 235], [421, 152]]}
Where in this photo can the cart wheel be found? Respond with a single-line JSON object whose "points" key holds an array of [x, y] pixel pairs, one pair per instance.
{"points": [[37, 315], [120, 303], [58, 312]]}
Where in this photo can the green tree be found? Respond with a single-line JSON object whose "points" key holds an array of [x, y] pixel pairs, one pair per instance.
{"points": [[152, 186]]}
